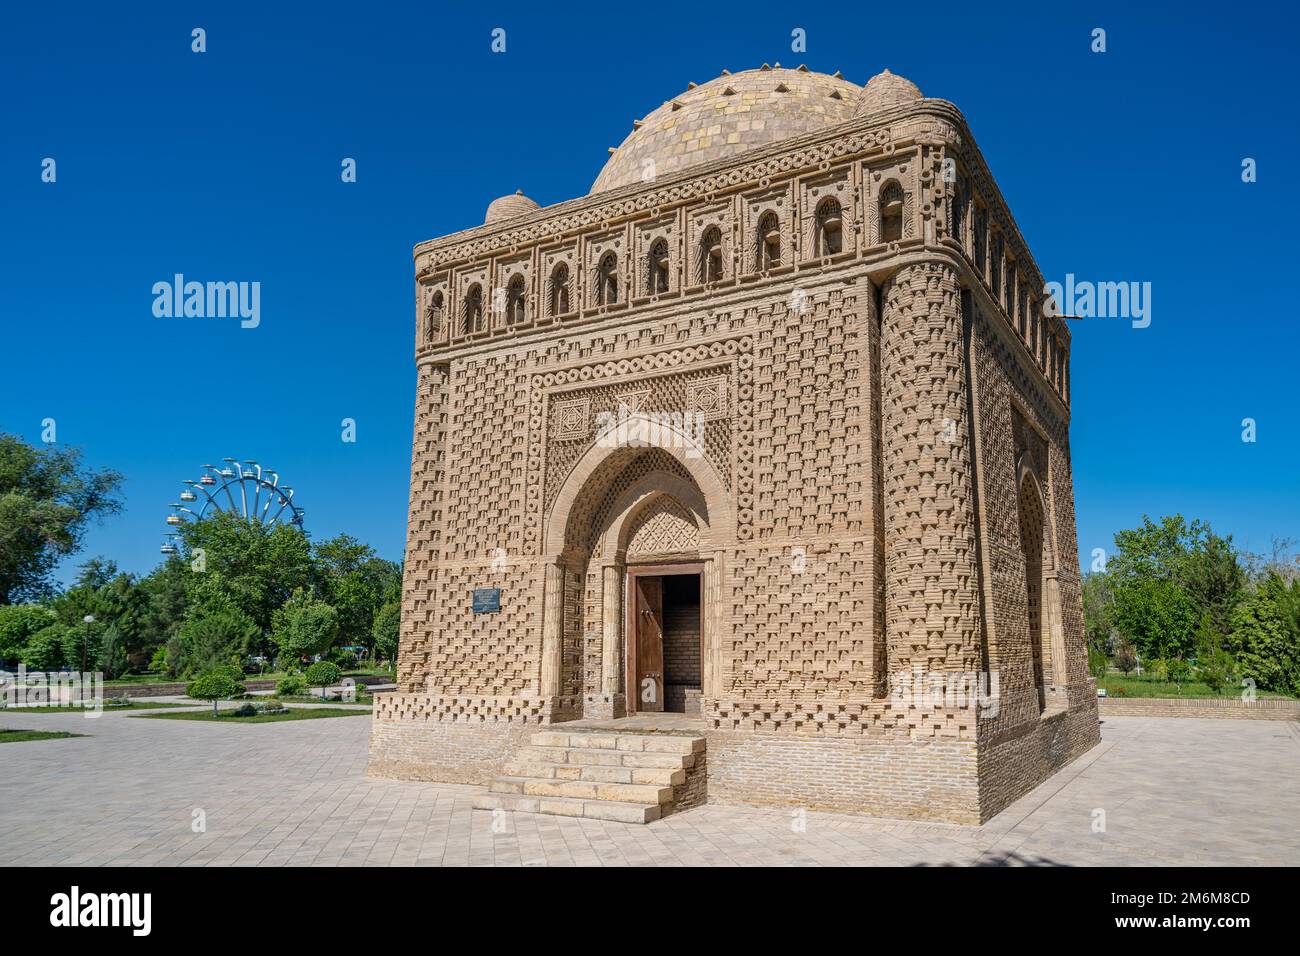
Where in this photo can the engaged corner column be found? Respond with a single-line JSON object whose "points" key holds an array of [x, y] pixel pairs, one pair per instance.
{"points": [[552, 631], [931, 602]]}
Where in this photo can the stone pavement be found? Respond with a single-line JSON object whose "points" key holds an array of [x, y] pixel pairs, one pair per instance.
{"points": [[1174, 791]]}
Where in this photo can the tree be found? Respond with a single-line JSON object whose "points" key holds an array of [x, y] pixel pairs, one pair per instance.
{"points": [[216, 636], [1125, 657], [304, 627], [1266, 635], [18, 623], [47, 500], [323, 674], [1097, 601], [387, 630], [44, 650], [1216, 670], [214, 685], [256, 567], [1156, 615], [1179, 672]]}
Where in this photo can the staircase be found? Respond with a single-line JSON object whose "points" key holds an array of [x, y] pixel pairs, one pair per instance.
{"points": [[602, 775]]}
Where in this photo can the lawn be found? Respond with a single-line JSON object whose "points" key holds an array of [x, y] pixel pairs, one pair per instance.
{"points": [[1134, 685], [299, 713], [14, 736], [68, 708], [316, 699]]}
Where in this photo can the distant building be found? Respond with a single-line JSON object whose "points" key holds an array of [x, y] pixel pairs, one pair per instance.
{"points": [[745, 477]]}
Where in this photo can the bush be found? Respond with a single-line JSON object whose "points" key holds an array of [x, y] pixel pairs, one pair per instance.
{"points": [[290, 685], [246, 710], [214, 685], [1179, 671], [322, 674], [1158, 669], [1097, 663], [1125, 657], [1216, 670]]}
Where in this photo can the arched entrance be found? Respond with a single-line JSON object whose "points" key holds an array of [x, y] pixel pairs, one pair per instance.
{"points": [[634, 548], [1043, 604]]}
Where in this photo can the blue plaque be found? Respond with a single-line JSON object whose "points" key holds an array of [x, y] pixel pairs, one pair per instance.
{"points": [[487, 600]]}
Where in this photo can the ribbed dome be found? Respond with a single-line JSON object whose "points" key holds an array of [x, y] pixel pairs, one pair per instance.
{"points": [[726, 117], [507, 207], [885, 90]]}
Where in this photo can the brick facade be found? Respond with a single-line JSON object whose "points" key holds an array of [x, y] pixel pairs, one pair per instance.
{"points": [[812, 362]]}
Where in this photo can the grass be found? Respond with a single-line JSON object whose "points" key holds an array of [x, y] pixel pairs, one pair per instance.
{"points": [[14, 736], [227, 717], [68, 708], [1135, 685], [316, 699]]}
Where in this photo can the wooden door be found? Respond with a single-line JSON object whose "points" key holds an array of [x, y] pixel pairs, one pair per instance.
{"points": [[649, 683]]}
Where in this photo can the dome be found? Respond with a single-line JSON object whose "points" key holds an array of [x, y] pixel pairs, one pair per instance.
{"points": [[508, 207], [725, 117], [885, 90]]}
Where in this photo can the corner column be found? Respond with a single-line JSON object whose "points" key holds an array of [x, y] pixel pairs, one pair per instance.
{"points": [[932, 606], [552, 632]]}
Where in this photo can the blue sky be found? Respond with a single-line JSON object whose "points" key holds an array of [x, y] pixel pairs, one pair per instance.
{"points": [[225, 166]]}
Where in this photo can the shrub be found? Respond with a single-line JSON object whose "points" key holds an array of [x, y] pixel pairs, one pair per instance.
{"points": [[246, 710], [1125, 657], [1216, 670], [1158, 669], [322, 674], [214, 685], [1097, 663], [290, 685], [270, 705], [1179, 672]]}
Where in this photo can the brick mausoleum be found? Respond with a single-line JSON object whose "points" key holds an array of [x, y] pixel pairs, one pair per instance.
{"points": [[745, 478]]}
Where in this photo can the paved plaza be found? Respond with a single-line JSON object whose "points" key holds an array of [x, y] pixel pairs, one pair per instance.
{"points": [[1174, 791]]}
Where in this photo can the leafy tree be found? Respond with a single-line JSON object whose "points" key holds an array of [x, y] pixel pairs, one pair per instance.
{"points": [[256, 567], [1179, 672], [323, 674], [1216, 670], [1097, 601], [47, 500], [1156, 615], [356, 584], [387, 630], [18, 622], [214, 685], [1266, 635], [217, 636], [304, 627], [166, 602], [44, 650]]}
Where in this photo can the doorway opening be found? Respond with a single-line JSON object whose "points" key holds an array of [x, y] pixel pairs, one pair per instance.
{"points": [[664, 640]]}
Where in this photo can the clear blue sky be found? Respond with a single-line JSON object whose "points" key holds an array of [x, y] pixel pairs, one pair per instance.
{"points": [[225, 166]]}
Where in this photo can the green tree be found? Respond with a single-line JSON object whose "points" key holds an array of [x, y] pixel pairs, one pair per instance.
{"points": [[304, 627], [44, 650], [1266, 635], [1097, 601], [47, 500], [18, 622], [214, 685], [255, 566], [1156, 615], [387, 630], [218, 636], [323, 674]]}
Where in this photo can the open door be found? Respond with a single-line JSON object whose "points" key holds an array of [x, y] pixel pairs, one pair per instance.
{"points": [[647, 691]]}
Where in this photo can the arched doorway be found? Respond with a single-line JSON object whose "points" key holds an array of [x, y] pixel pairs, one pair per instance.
{"points": [[640, 524], [1042, 596]]}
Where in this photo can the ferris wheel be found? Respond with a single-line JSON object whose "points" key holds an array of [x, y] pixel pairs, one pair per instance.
{"points": [[242, 488]]}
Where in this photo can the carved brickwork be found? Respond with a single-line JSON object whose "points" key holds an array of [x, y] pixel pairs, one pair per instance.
{"points": [[808, 365]]}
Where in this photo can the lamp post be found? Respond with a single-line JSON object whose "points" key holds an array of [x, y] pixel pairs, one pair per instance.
{"points": [[89, 619]]}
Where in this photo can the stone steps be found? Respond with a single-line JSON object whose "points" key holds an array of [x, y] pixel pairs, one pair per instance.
{"points": [[602, 775]]}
